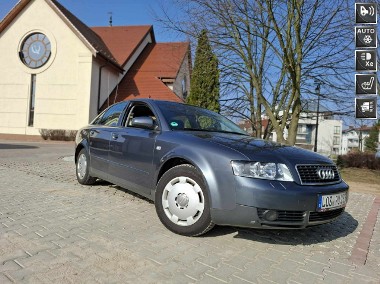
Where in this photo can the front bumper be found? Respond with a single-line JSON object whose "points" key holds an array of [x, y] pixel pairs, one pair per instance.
{"points": [[295, 205]]}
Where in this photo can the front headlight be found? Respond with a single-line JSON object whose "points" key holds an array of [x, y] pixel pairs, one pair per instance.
{"points": [[272, 171]]}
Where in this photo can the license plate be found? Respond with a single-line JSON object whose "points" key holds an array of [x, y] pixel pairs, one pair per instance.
{"points": [[332, 201]]}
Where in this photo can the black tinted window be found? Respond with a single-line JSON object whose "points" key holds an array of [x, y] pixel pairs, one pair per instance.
{"points": [[187, 117], [139, 110], [111, 116]]}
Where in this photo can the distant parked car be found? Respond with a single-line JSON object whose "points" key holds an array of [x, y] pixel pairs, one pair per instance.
{"points": [[377, 154], [201, 169]]}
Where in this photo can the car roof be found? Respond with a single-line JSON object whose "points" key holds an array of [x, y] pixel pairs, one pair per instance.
{"points": [[154, 101]]}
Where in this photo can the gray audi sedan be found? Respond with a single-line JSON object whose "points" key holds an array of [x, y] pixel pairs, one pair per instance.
{"points": [[201, 169]]}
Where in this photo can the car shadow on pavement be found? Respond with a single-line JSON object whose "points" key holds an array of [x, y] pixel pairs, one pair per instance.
{"points": [[343, 226], [16, 146], [121, 189], [339, 228]]}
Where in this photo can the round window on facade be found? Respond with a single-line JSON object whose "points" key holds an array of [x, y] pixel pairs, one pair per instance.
{"points": [[35, 50]]}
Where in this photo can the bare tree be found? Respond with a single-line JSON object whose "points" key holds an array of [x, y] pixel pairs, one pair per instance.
{"points": [[270, 53]]}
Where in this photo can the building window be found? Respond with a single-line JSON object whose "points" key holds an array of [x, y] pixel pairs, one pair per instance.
{"points": [[184, 88], [169, 82], [32, 99], [336, 140], [336, 129], [301, 129]]}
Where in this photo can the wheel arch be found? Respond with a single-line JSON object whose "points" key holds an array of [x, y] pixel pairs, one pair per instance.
{"points": [[171, 163], [78, 148], [173, 160], [214, 165]]}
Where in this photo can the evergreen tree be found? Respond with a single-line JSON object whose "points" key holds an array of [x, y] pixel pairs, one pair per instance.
{"points": [[204, 86], [371, 142]]}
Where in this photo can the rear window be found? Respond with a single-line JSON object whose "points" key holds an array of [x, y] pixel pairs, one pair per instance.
{"points": [[111, 116]]}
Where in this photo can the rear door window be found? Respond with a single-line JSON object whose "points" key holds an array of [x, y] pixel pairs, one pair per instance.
{"points": [[111, 116]]}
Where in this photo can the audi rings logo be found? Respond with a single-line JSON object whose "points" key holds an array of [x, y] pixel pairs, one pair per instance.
{"points": [[326, 174]]}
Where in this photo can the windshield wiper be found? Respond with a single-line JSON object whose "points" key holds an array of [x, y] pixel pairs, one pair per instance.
{"points": [[232, 132], [194, 129], [214, 130]]}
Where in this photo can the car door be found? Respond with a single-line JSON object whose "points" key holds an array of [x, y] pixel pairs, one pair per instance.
{"points": [[131, 152], [100, 134], [99, 139]]}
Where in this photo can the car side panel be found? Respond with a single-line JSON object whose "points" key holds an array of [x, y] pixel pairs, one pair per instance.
{"points": [[213, 165], [131, 157], [99, 139]]}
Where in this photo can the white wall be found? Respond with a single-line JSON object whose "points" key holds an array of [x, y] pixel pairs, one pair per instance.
{"points": [[110, 77], [62, 85], [326, 136], [354, 136]]}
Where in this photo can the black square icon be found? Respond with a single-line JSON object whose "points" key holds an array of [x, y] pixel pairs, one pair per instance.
{"points": [[366, 36], [366, 13], [366, 84], [366, 108], [366, 60]]}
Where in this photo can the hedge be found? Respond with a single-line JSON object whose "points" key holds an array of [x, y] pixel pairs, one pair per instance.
{"points": [[359, 160], [58, 134]]}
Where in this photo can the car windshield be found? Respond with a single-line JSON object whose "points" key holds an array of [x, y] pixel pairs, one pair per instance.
{"points": [[191, 118]]}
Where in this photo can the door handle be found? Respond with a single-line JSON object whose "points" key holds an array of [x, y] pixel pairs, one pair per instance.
{"points": [[114, 136]]}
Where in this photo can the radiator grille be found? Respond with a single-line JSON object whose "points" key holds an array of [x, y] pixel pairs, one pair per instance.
{"points": [[316, 174], [325, 216]]}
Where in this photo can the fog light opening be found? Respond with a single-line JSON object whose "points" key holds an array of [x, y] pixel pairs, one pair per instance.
{"points": [[270, 215]]}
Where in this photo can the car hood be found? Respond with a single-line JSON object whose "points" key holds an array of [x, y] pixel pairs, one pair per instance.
{"points": [[262, 150]]}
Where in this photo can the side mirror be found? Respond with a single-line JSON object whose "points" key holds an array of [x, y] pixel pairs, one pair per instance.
{"points": [[143, 122]]}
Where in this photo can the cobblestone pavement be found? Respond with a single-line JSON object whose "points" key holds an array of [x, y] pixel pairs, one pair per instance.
{"points": [[53, 230]]}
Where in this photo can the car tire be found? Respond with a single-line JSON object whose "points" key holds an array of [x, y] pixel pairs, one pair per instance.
{"points": [[182, 201], [83, 169]]}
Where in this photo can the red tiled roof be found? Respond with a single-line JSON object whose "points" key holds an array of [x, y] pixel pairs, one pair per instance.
{"points": [[164, 59], [92, 38], [122, 41], [143, 80]]}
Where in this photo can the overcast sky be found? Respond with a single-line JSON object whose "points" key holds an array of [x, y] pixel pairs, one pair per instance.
{"points": [[124, 12]]}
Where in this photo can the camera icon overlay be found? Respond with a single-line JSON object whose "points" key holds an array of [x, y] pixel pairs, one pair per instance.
{"points": [[366, 60], [366, 84], [366, 108], [365, 13], [366, 36]]}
